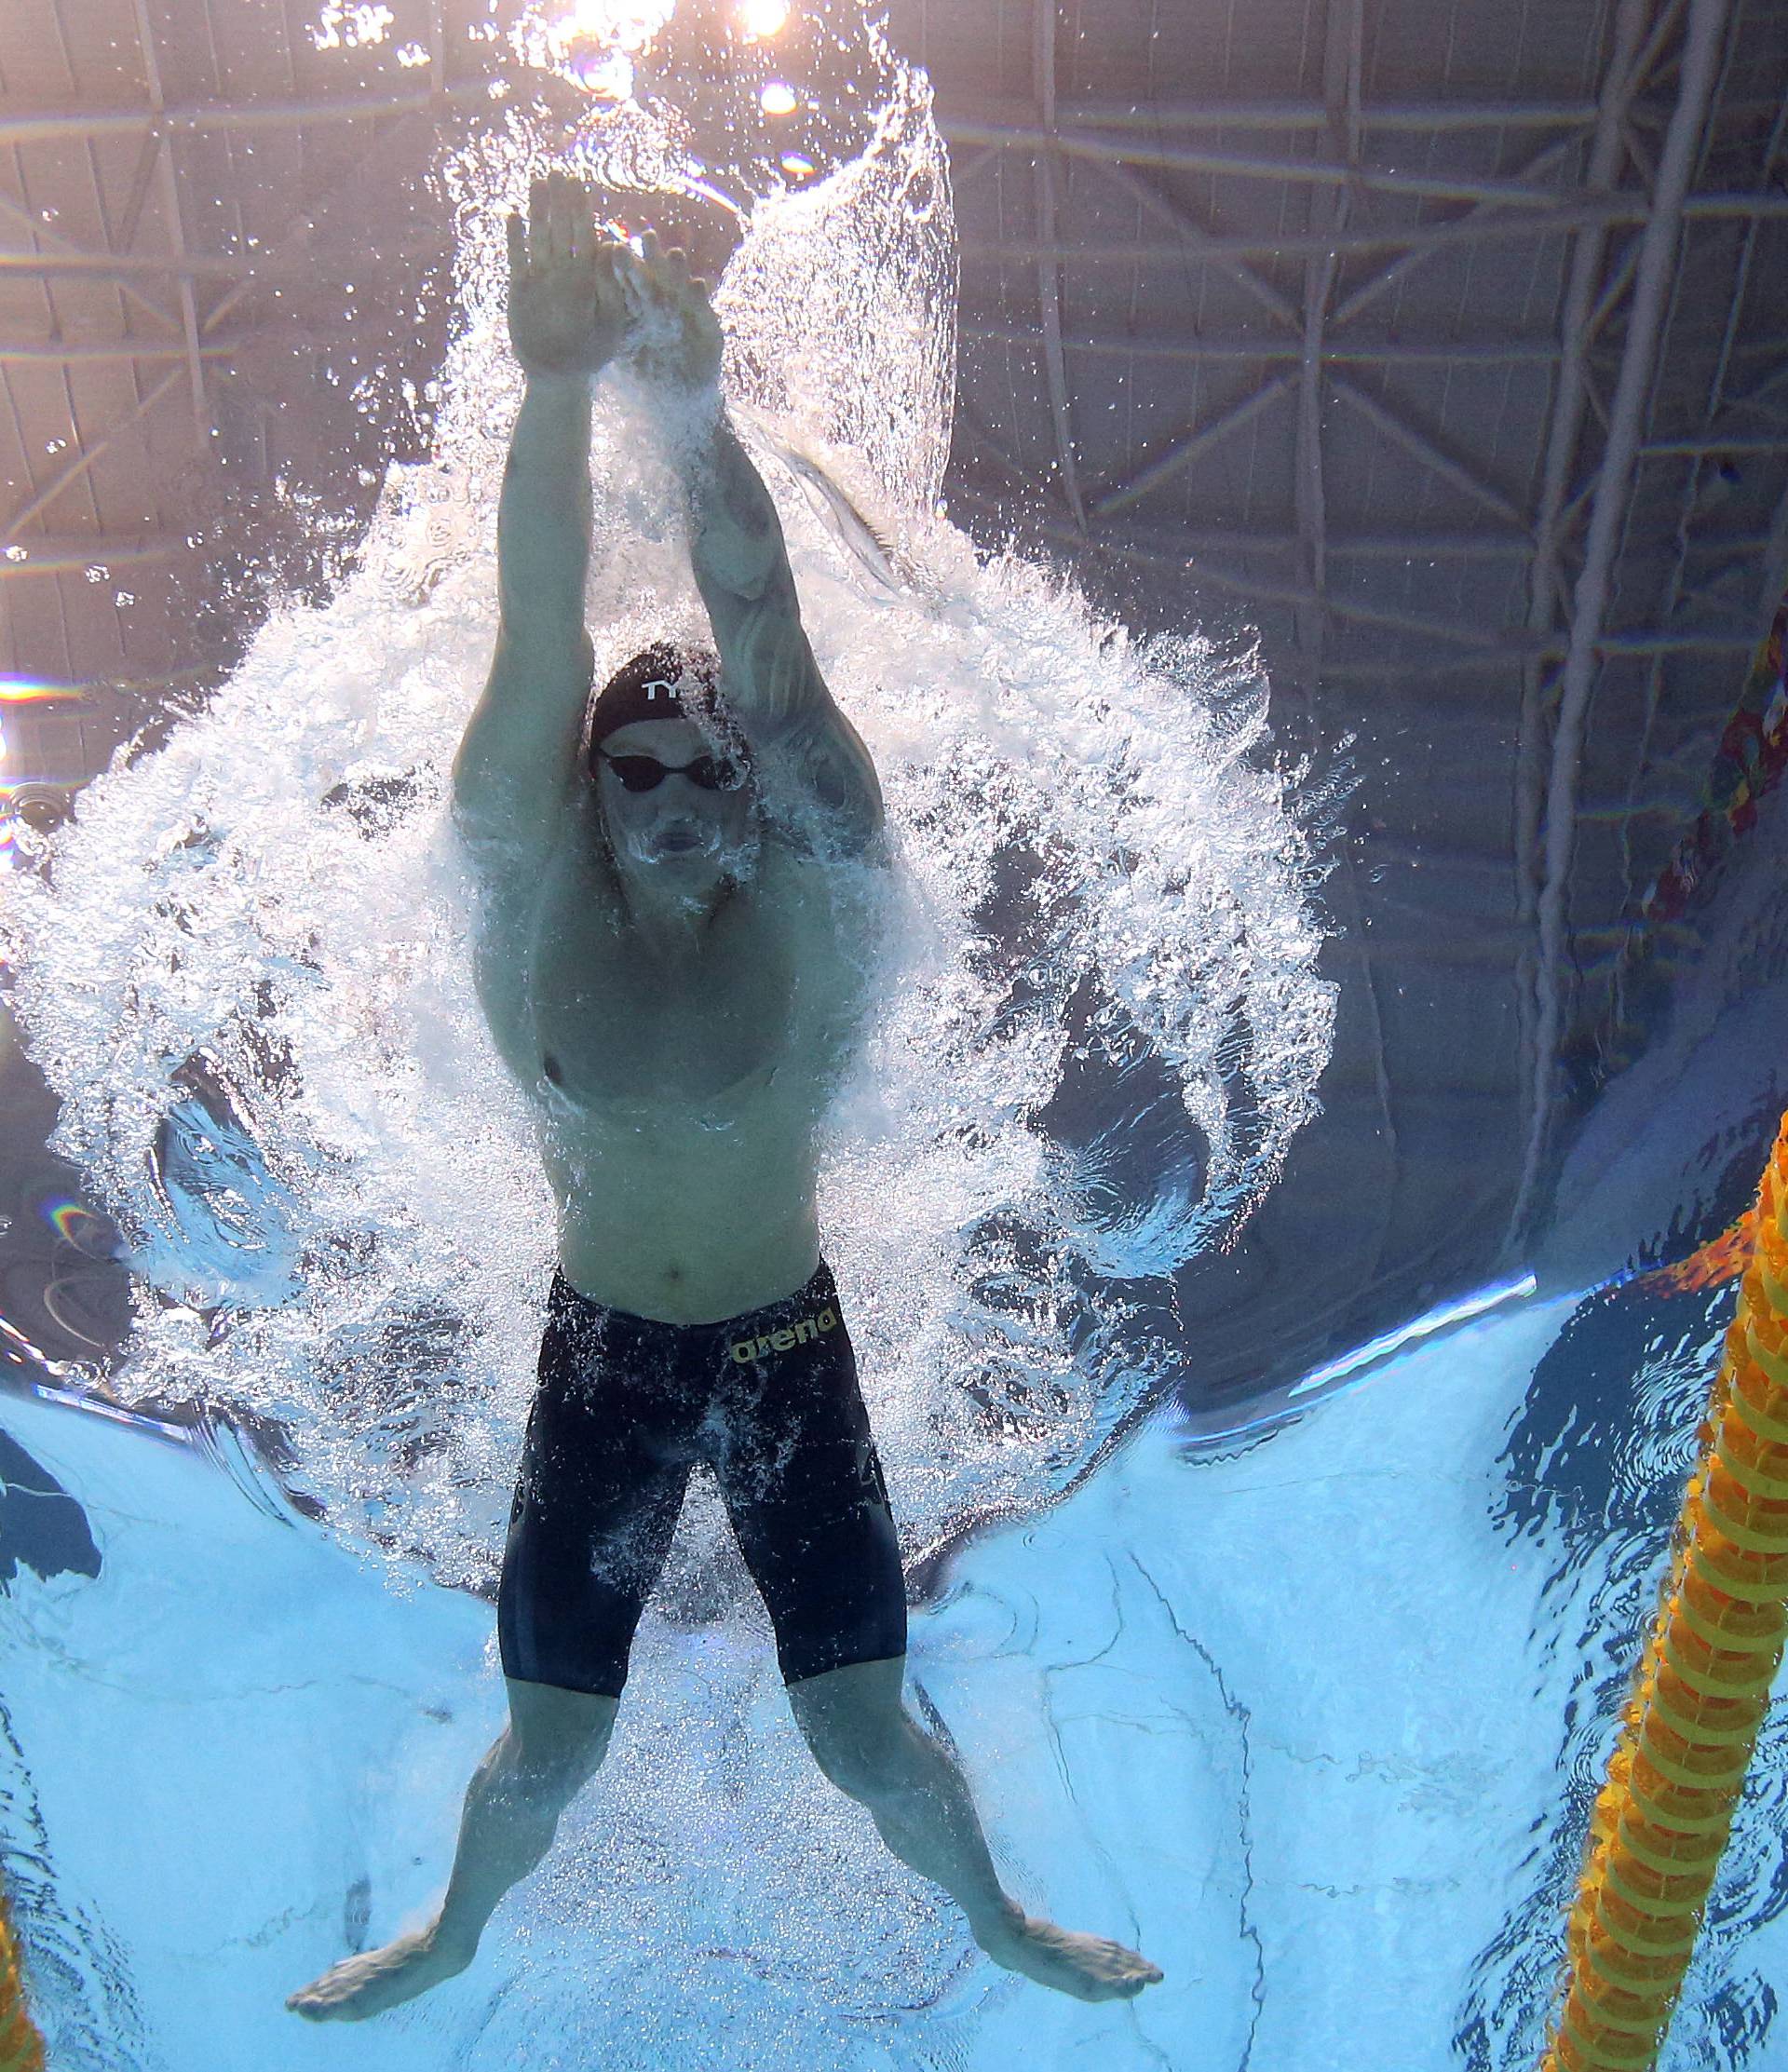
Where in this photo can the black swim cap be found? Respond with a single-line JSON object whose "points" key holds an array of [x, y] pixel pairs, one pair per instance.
{"points": [[664, 683]]}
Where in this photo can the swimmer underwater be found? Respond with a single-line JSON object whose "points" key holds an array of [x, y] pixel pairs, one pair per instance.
{"points": [[672, 974]]}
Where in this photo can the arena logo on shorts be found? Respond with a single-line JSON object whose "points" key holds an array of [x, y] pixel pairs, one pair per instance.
{"points": [[747, 1350]]}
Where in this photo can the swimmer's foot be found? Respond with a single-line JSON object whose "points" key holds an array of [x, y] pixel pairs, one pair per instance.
{"points": [[1086, 1965], [359, 1986]]}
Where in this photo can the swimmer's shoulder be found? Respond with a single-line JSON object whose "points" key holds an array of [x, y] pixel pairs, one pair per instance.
{"points": [[546, 925]]}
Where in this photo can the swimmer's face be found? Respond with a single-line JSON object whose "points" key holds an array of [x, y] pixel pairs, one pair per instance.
{"points": [[677, 826]]}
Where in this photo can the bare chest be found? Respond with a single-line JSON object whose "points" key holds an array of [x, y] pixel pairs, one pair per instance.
{"points": [[760, 1010]]}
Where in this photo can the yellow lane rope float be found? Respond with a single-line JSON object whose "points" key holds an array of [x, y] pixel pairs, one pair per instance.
{"points": [[1700, 1695], [21, 2049]]}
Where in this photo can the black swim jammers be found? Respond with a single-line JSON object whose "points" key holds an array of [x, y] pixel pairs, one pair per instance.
{"points": [[625, 1406]]}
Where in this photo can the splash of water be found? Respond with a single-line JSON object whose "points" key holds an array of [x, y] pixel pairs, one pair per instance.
{"points": [[245, 967]]}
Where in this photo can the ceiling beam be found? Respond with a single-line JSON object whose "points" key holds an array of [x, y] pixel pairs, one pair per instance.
{"points": [[1367, 292], [1173, 546], [1427, 669], [1573, 213], [145, 350], [1471, 229], [44, 234], [47, 554], [1190, 347], [1708, 443], [1185, 447], [1046, 140], [1421, 447], [300, 267], [77, 465], [301, 227], [54, 125], [1202, 239], [172, 209], [1503, 646], [1048, 264], [29, 126], [1578, 327], [1447, 632], [1245, 113], [1659, 258], [1397, 546], [1343, 39]]}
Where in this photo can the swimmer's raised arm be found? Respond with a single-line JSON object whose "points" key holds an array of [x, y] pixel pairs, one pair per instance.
{"points": [[740, 560], [519, 757]]}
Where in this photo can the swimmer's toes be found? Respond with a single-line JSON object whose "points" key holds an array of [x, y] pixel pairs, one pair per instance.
{"points": [[1088, 1967], [361, 1986], [337, 1994], [1120, 1974]]}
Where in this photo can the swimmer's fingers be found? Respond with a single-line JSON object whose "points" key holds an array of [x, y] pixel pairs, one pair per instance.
{"points": [[664, 275], [668, 268], [614, 306], [539, 222], [559, 229], [677, 334], [567, 312], [631, 279], [573, 232]]}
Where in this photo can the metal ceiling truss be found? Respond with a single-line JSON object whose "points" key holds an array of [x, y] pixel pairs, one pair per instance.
{"points": [[1581, 319], [1486, 224], [1611, 184], [1659, 257], [1317, 348], [48, 124], [1049, 268], [198, 341], [173, 213], [171, 330], [1727, 554]]}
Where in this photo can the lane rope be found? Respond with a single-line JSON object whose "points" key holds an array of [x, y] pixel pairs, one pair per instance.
{"points": [[1700, 1695], [22, 2047]]}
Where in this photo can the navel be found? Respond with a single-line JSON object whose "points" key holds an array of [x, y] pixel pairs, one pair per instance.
{"points": [[549, 1065]]}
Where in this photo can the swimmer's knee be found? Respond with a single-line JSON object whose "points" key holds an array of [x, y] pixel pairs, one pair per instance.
{"points": [[854, 1722], [557, 1738]]}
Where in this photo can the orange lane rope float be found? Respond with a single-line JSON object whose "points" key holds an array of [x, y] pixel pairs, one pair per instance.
{"points": [[21, 2049], [1699, 1696], [1719, 1260]]}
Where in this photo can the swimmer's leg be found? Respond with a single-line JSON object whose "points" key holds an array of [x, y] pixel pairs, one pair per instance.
{"points": [[870, 1746], [554, 1743]]}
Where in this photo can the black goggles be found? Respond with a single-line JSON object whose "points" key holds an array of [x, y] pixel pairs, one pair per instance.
{"points": [[645, 773]]}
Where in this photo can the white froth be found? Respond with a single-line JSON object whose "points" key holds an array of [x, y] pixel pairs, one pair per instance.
{"points": [[247, 975]]}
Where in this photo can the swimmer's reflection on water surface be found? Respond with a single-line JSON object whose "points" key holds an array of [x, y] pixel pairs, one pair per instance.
{"points": [[670, 964]]}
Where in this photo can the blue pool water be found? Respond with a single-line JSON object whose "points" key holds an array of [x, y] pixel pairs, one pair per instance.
{"points": [[1312, 1719]]}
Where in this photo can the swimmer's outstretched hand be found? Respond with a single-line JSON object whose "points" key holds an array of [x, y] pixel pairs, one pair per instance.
{"points": [[676, 336], [568, 312]]}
